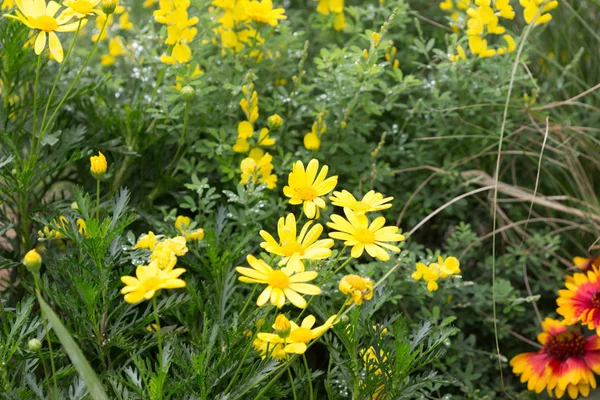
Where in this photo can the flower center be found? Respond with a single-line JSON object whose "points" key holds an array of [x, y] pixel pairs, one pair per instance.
{"points": [[364, 235], [278, 279], [290, 248], [596, 299], [150, 283], [303, 335], [566, 345], [306, 193], [45, 23]]}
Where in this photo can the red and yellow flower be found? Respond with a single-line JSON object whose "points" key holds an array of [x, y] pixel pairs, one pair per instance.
{"points": [[581, 300], [565, 364]]}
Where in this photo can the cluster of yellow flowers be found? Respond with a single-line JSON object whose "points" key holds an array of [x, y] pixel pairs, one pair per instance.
{"points": [[180, 30], [49, 233], [307, 186], [390, 55], [335, 7], [235, 22], [431, 273], [258, 164], [480, 19], [160, 273]]}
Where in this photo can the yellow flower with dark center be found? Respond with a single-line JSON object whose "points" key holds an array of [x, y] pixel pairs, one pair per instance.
{"points": [[81, 8], [98, 165], [295, 249], [299, 336], [357, 287], [306, 187], [263, 12], [371, 201], [281, 284], [356, 232], [35, 14], [148, 280], [146, 241]]}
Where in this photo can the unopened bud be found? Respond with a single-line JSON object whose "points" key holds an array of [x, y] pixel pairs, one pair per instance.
{"points": [[108, 6], [275, 122], [188, 93], [34, 345], [375, 38], [33, 261], [74, 206], [282, 326]]}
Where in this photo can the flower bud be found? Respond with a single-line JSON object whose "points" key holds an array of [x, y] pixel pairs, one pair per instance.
{"points": [[188, 93], [32, 261], [375, 38], [108, 6], [74, 206], [34, 345], [282, 326], [344, 124], [365, 53], [98, 165], [275, 122]]}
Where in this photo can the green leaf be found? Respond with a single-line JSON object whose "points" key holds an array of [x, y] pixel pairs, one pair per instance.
{"points": [[74, 352]]}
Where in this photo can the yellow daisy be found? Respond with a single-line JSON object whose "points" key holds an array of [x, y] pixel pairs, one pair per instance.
{"points": [[148, 280], [305, 186], [356, 232], [281, 284], [299, 336], [81, 8], [35, 14], [372, 201], [294, 250]]}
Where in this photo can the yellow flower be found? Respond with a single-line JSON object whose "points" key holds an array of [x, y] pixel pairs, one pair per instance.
{"points": [[299, 336], [446, 5], [124, 22], [357, 287], [98, 165], [241, 145], [356, 232], [146, 241], [115, 48], [35, 14], [259, 171], [447, 267], [375, 39], [294, 250], [81, 8], [461, 54], [339, 22], [196, 234], [371, 360], [306, 187], [275, 122], [182, 223], [428, 274], [281, 284], [82, 227], [312, 141], [181, 54], [537, 11], [265, 349], [245, 130], [371, 201], [263, 12], [7, 5], [149, 279], [32, 261]]}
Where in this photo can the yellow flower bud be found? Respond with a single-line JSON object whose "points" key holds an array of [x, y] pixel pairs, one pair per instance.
{"points": [[33, 261], [344, 124], [275, 122], [375, 38], [282, 326], [365, 53], [98, 165], [108, 6]]}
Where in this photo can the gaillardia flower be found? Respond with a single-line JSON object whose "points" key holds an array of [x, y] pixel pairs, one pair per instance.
{"points": [[35, 14], [281, 283], [566, 363], [358, 233], [581, 300], [148, 280], [305, 186], [371, 201], [294, 250], [585, 264]]}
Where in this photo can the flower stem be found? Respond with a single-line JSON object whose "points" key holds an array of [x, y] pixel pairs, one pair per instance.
{"points": [[308, 376], [37, 287], [292, 383], [35, 96], [98, 200], [175, 161], [158, 331], [64, 98]]}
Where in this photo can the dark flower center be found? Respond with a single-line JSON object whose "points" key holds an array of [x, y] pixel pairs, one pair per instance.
{"points": [[566, 345], [596, 300]]}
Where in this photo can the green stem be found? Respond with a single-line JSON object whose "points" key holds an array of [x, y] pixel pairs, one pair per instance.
{"points": [[292, 383], [158, 331], [64, 98], [62, 68], [35, 96], [308, 376], [248, 301], [45, 371], [37, 286], [98, 200], [175, 161]]}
